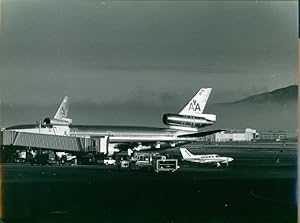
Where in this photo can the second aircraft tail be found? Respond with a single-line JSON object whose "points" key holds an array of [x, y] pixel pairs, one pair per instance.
{"points": [[62, 111], [185, 153]]}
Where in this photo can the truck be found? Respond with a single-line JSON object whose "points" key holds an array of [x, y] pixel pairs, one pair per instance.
{"points": [[109, 161], [142, 160]]}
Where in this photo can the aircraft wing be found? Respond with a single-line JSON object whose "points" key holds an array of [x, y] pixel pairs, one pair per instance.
{"points": [[201, 134], [163, 144], [150, 146]]}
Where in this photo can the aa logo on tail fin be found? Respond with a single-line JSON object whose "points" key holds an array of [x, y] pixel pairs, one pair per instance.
{"points": [[62, 112], [197, 104], [194, 106]]}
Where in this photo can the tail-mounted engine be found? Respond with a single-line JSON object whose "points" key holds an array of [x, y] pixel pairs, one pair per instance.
{"points": [[62, 121], [189, 121]]}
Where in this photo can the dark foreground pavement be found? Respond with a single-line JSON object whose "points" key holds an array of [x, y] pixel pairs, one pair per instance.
{"points": [[255, 188]]}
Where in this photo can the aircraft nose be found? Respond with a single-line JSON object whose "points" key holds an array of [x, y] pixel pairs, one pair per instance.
{"points": [[230, 159]]}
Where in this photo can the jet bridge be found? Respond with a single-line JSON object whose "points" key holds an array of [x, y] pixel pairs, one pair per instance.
{"points": [[54, 142]]}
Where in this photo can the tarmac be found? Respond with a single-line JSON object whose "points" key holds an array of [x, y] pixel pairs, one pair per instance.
{"points": [[258, 186]]}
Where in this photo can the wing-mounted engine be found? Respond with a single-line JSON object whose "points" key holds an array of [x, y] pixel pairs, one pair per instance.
{"points": [[53, 121], [189, 121], [111, 149]]}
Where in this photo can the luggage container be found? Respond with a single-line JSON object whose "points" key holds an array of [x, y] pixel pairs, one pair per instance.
{"points": [[166, 165]]}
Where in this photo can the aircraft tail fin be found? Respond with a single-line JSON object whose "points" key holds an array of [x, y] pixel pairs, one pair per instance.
{"points": [[62, 111], [185, 153], [196, 105]]}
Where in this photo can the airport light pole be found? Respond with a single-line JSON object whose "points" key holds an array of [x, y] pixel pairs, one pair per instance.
{"points": [[40, 152]]}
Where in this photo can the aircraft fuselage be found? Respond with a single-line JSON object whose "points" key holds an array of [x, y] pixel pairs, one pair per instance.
{"points": [[115, 133]]}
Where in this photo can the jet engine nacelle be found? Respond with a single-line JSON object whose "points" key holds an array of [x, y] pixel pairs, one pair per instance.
{"points": [[52, 121], [190, 121], [111, 149]]}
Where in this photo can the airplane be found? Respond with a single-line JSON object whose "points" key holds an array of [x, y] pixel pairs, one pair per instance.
{"points": [[183, 128], [204, 159]]}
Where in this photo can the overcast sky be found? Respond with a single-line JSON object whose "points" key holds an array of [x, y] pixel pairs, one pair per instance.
{"points": [[122, 51]]}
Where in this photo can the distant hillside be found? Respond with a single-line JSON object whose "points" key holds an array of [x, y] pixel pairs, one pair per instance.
{"points": [[271, 110], [289, 93]]}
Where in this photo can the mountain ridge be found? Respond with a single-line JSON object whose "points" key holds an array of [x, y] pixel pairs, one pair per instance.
{"points": [[278, 95], [276, 109]]}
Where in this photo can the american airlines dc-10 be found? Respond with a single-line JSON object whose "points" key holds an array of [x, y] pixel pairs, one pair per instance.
{"points": [[183, 128]]}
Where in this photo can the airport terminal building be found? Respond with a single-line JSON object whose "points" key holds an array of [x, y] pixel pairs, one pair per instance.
{"points": [[247, 135], [273, 135], [236, 135]]}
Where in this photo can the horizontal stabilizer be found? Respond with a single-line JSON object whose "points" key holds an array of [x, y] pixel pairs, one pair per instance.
{"points": [[201, 134]]}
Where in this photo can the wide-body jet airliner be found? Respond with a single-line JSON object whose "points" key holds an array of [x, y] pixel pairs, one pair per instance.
{"points": [[183, 128]]}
